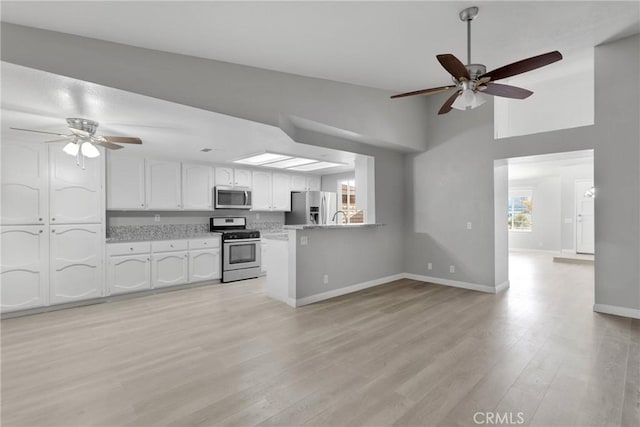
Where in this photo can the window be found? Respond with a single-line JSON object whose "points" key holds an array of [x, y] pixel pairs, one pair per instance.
{"points": [[352, 215], [520, 208]]}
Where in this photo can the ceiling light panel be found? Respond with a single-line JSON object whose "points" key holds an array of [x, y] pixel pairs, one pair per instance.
{"points": [[262, 159], [290, 163], [314, 166]]}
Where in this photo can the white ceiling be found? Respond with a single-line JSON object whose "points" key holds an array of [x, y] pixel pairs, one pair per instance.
{"points": [[39, 100], [532, 167], [388, 45]]}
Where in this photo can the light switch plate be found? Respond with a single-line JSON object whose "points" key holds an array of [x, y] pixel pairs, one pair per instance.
{"points": [[304, 240], [156, 218], [469, 226], [452, 269]]}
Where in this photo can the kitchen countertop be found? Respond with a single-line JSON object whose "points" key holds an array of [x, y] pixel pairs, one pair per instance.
{"points": [[282, 236], [328, 226], [174, 237]]}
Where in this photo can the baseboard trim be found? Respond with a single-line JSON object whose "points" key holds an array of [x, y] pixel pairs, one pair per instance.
{"points": [[536, 251], [502, 286], [617, 310], [346, 290], [458, 284]]}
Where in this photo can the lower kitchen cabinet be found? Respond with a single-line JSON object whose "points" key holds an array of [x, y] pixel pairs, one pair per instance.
{"points": [[204, 265], [129, 273], [24, 267], [169, 269], [76, 263], [263, 254]]}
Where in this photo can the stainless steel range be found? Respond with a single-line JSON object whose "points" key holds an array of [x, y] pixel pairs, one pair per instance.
{"points": [[240, 248]]}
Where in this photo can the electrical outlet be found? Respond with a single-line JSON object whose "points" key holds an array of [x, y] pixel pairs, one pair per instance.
{"points": [[452, 269], [304, 240], [156, 218], [429, 266], [325, 279], [469, 226]]}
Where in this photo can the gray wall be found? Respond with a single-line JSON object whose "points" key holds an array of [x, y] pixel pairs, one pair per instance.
{"points": [[458, 165], [330, 182]]}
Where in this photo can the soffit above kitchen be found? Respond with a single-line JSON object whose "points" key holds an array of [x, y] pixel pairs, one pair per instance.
{"points": [[388, 45], [39, 100]]}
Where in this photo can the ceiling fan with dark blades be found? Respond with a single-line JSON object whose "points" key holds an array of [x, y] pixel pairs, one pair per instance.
{"points": [[472, 81], [82, 139]]}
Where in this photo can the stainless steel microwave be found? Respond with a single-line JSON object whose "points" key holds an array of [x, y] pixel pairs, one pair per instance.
{"points": [[233, 197]]}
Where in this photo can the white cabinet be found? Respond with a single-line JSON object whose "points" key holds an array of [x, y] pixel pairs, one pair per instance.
{"points": [[169, 268], [24, 267], [75, 193], [264, 248], [76, 263], [163, 185], [261, 191], [281, 192], [313, 183], [129, 273], [204, 264], [242, 177], [298, 183], [231, 177], [224, 177], [24, 183], [125, 182], [197, 187]]}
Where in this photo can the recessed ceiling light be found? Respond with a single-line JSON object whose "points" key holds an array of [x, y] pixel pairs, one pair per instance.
{"points": [[314, 166], [262, 159], [289, 163]]}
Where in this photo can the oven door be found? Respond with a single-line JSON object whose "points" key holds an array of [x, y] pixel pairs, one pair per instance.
{"points": [[240, 254], [233, 198]]}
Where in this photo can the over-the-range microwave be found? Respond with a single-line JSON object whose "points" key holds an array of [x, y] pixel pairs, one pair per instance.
{"points": [[232, 197]]}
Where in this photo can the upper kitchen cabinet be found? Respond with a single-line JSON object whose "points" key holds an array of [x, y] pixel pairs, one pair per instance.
{"points": [[298, 183], [314, 183], [281, 192], [75, 193], [230, 177], [125, 182], [261, 191], [24, 183], [242, 177], [224, 177], [197, 187], [163, 186]]}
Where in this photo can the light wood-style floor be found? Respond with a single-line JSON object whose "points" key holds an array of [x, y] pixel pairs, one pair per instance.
{"points": [[405, 353]]}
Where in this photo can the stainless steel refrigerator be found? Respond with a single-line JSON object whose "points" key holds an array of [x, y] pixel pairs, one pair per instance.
{"points": [[312, 207]]}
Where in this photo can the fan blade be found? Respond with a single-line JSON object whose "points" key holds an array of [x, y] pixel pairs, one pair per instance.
{"points": [[109, 145], [67, 139], [524, 65], [80, 132], [506, 91], [431, 91], [39, 131], [446, 107], [122, 139], [454, 66]]}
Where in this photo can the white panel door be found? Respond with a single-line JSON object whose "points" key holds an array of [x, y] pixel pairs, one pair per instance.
{"points": [[163, 185], [125, 181], [75, 194], [204, 265], [76, 263], [128, 273], [224, 177], [242, 178], [313, 183], [261, 191], [24, 267], [585, 230], [169, 268], [24, 183], [197, 187], [298, 183], [281, 194]]}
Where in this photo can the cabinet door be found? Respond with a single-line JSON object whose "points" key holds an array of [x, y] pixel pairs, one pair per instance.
{"points": [[163, 185], [76, 194], [125, 182], [169, 268], [24, 267], [261, 191], [298, 183], [281, 194], [128, 273], [76, 263], [263, 253], [204, 265], [313, 183], [24, 183], [224, 177], [242, 178], [197, 187]]}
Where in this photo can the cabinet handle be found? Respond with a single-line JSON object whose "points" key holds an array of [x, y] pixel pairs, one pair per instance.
{"points": [[53, 231], [148, 259], [131, 249], [142, 204], [40, 231], [170, 245], [39, 219], [53, 219]]}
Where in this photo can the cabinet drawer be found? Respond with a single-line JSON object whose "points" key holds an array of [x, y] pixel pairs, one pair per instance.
{"points": [[128, 248], [169, 246], [208, 243]]}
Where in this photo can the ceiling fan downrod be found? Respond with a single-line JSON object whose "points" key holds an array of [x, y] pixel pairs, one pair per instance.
{"points": [[467, 15]]}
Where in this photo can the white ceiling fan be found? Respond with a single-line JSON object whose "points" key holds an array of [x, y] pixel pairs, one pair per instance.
{"points": [[82, 139]]}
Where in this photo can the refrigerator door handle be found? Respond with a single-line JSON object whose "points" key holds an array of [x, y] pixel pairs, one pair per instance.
{"points": [[323, 210]]}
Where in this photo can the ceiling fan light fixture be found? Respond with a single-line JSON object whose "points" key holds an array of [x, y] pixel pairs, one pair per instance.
{"points": [[71, 149], [89, 150]]}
